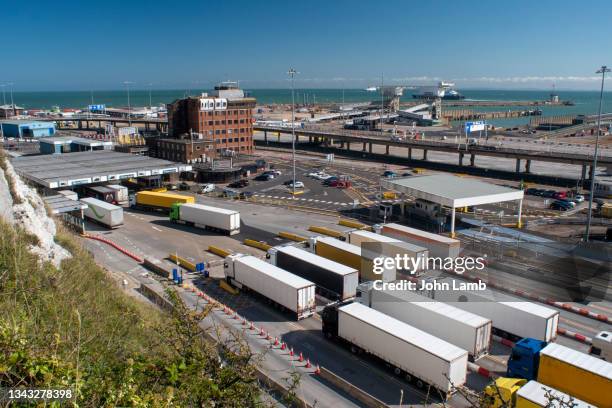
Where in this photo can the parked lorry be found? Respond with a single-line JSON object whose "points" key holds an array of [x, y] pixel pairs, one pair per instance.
{"points": [[418, 356], [349, 255], [567, 370], [283, 288], [121, 193], [335, 280], [602, 345], [153, 200], [102, 212], [102, 193], [520, 393], [438, 245], [512, 319], [204, 216], [466, 330], [374, 245]]}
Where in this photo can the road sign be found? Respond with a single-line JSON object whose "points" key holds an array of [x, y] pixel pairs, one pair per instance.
{"points": [[474, 126], [97, 108]]}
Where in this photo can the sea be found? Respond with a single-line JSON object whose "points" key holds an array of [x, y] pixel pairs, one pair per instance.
{"points": [[585, 102]]}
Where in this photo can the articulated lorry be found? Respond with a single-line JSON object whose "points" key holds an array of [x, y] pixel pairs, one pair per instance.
{"points": [[562, 368], [438, 245], [334, 280], [207, 217], [102, 212], [160, 201], [520, 393], [464, 329], [414, 354], [289, 291]]}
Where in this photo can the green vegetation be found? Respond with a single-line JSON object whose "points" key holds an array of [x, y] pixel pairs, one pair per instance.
{"points": [[73, 327]]}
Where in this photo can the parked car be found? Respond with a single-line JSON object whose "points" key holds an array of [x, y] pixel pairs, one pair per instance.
{"points": [[549, 193], [239, 183], [389, 174], [560, 194], [275, 173], [579, 198], [329, 180], [264, 177], [324, 176], [207, 188], [229, 193], [406, 174], [298, 184], [245, 194], [560, 205], [568, 200], [171, 187], [184, 186], [531, 191]]}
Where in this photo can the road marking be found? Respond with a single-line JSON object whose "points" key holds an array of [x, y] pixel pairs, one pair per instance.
{"points": [[156, 229]]}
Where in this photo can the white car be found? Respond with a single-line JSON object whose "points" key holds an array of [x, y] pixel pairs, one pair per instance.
{"points": [[314, 174], [323, 176], [298, 184], [207, 188], [579, 198]]}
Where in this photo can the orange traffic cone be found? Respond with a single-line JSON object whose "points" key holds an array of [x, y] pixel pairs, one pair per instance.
{"points": [[261, 332], [308, 363], [283, 345], [301, 359], [291, 351], [276, 341], [317, 370]]}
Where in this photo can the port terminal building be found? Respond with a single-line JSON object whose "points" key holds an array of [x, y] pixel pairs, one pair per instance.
{"points": [[94, 167], [454, 192], [22, 129], [68, 144]]}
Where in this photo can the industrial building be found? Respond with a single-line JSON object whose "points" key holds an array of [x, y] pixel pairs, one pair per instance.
{"points": [[8, 111], [453, 192], [99, 166], [225, 117], [27, 129], [183, 150], [69, 144]]}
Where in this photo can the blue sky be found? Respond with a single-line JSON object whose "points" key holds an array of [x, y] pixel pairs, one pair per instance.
{"points": [[334, 43]]}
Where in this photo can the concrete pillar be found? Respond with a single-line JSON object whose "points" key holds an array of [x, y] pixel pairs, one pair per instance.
{"points": [[309, 139], [591, 172], [461, 158], [472, 159], [348, 145], [147, 126], [266, 136], [425, 154], [453, 222], [410, 153], [364, 147], [80, 124], [342, 144], [87, 125], [527, 166], [330, 142], [518, 165], [583, 174], [387, 150], [297, 138], [370, 147]]}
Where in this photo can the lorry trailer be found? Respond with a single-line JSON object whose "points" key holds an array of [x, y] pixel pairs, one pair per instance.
{"points": [[350, 255], [121, 193], [102, 212], [153, 200], [374, 245], [438, 245], [464, 329], [204, 216], [520, 393], [102, 193], [337, 281], [567, 370], [511, 319], [285, 289], [418, 356]]}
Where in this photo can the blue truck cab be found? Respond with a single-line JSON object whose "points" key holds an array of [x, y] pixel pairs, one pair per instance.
{"points": [[525, 358]]}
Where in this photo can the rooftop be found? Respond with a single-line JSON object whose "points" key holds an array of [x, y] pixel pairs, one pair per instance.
{"points": [[63, 170], [186, 141], [26, 122], [452, 191], [77, 140], [61, 204]]}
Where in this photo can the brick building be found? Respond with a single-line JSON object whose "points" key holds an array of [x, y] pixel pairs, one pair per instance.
{"points": [[225, 117], [184, 150]]}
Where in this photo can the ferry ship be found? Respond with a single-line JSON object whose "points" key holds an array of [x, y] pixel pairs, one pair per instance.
{"points": [[444, 90]]}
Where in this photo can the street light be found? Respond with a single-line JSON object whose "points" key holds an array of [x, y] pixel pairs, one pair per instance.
{"points": [[127, 85], [292, 72], [12, 103], [3, 93], [601, 71]]}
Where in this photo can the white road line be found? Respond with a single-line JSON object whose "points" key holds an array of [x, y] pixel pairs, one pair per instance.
{"points": [[155, 228]]}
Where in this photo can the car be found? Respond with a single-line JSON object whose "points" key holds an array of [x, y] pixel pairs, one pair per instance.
{"points": [[329, 180], [184, 186], [324, 176], [549, 193], [229, 193], [275, 173], [389, 174], [568, 201], [560, 205], [264, 177], [171, 187], [579, 198], [560, 194], [207, 188], [245, 194], [313, 174], [298, 184], [406, 174], [531, 191], [239, 183]]}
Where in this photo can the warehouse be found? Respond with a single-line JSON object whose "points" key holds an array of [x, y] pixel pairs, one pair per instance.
{"points": [[27, 129], [454, 192], [98, 166], [67, 144]]}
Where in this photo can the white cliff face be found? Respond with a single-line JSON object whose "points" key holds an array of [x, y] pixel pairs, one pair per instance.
{"points": [[27, 210]]}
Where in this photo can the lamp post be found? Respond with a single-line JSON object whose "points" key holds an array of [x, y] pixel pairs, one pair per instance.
{"points": [[601, 71], [3, 93], [127, 86], [292, 72], [12, 103]]}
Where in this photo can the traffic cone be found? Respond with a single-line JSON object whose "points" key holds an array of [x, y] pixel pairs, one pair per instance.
{"points": [[251, 327], [268, 337], [276, 341], [261, 332], [291, 351], [301, 359], [235, 316], [317, 370], [283, 346], [308, 363], [244, 322]]}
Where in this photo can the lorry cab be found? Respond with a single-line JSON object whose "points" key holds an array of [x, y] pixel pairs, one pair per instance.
{"points": [[525, 357], [602, 346], [502, 392]]}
